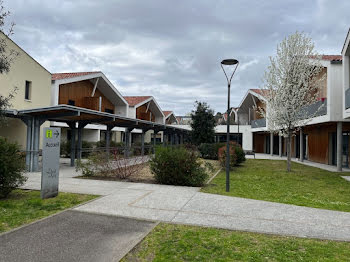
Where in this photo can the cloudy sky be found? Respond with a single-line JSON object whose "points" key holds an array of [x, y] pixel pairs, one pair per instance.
{"points": [[172, 49]]}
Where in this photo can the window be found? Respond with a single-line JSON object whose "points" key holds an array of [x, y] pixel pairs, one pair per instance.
{"points": [[71, 102], [27, 92]]}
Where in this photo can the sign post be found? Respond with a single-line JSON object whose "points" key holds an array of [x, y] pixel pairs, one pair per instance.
{"points": [[51, 164]]}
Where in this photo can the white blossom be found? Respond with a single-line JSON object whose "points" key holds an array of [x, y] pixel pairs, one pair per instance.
{"points": [[291, 83]]}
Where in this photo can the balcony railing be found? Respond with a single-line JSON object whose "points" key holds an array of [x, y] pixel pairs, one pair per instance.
{"points": [[347, 98], [258, 123], [316, 109]]}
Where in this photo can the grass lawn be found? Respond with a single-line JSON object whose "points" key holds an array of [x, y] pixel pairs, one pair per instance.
{"points": [[188, 243], [23, 207], [268, 180]]}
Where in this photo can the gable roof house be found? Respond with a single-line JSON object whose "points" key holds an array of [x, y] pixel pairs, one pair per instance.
{"points": [[145, 108], [170, 117], [90, 90]]}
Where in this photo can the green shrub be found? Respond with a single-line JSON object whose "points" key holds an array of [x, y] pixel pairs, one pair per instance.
{"points": [[102, 143], [177, 166], [222, 156], [86, 146], [240, 154], [65, 148], [12, 167], [210, 150], [136, 148], [237, 155]]}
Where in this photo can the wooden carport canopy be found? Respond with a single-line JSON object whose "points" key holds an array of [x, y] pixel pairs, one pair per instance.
{"points": [[77, 118]]}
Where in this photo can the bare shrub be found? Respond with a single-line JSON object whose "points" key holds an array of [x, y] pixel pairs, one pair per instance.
{"points": [[113, 164]]}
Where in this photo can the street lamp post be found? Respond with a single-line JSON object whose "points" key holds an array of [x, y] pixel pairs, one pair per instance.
{"points": [[228, 62]]}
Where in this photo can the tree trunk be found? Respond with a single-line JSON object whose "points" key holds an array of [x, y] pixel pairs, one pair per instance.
{"points": [[289, 150]]}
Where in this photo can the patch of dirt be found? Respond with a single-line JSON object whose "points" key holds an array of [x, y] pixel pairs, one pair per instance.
{"points": [[144, 175]]}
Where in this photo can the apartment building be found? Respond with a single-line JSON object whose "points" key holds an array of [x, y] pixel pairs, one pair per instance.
{"points": [[317, 139], [32, 84]]}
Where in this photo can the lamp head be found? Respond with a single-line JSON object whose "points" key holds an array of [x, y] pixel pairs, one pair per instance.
{"points": [[229, 62]]}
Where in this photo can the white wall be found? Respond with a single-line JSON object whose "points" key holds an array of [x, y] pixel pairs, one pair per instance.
{"points": [[335, 92], [346, 83], [121, 110], [132, 112], [245, 130], [91, 135], [243, 118]]}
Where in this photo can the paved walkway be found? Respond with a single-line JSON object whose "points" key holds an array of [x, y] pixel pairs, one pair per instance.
{"points": [[188, 206], [74, 236]]}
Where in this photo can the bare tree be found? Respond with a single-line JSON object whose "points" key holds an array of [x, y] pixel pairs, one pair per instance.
{"points": [[291, 83], [7, 56]]}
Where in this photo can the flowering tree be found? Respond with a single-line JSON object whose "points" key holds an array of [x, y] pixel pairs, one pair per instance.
{"points": [[291, 83]]}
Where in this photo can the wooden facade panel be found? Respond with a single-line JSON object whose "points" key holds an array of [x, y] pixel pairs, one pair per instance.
{"points": [[319, 137], [257, 115], [259, 143], [80, 92], [144, 114], [318, 143]]}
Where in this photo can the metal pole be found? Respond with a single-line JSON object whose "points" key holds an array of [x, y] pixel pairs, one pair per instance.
{"points": [[143, 143], [32, 147], [126, 147], [108, 139], [239, 139], [72, 146], [154, 141], [339, 145], [80, 142], [228, 141], [280, 145], [29, 142], [228, 62], [36, 145], [271, 143], [301, 151]]}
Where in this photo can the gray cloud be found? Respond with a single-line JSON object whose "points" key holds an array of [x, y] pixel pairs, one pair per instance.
{"points": [[172, 49]]}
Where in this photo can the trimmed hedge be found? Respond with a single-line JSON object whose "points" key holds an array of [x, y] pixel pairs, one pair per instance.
{"points": [[177, 166]]}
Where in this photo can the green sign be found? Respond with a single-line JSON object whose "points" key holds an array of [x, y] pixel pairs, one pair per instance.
{"points": [[49, 133]]}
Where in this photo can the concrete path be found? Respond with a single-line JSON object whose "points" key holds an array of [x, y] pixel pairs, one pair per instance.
{"points": [[346, 178], [73, 236], [188, 206]]}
